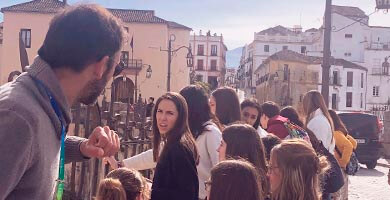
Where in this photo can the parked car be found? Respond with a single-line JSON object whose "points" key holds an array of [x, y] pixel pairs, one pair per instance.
{"points": [[365, 128]]}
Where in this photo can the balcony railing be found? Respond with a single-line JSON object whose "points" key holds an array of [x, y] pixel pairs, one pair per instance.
{"points": [[379, 71], [135, 64], [199, 68]]}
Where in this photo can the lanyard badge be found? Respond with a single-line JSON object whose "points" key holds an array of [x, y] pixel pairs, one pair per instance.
{"points": [[61, 167]]}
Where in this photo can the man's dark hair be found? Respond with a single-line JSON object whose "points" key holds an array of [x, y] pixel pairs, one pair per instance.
{"points": [[81, 35], [269, 142], [270, 109]]}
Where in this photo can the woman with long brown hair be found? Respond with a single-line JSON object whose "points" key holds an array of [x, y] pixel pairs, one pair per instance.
{"points": [[345, 144], [294, 171], [318, 119], [205, 129], [176, 176], [242, 141], [232, 180], [251, 113], [224, 103]]}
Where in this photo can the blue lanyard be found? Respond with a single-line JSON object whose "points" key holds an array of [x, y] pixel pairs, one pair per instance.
{"points": [[61, 170]]}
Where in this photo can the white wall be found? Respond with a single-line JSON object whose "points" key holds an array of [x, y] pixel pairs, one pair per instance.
{"points": [[342, 89], [374, 60], [340, 45]]}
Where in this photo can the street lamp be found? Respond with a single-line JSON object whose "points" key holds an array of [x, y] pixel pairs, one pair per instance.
{"points": [[383, 4], [189, 58], [149, 72], [148, 75]]}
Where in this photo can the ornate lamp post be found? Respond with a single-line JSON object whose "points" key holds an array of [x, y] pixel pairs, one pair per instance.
{"points": [[149, 72], [189, 57]]}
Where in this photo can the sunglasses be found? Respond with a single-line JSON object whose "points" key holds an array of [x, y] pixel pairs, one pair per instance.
{"points": [[119, 68]]}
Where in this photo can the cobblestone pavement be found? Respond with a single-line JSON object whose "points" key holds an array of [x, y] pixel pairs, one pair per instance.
{"points": [[370, 184]]}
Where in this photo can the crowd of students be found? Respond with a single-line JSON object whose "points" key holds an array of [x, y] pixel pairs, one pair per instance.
{"points": [[204, 147], [218, 149]]}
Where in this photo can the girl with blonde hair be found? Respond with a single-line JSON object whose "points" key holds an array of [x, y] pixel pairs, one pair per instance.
{"points": [[294, 171]]}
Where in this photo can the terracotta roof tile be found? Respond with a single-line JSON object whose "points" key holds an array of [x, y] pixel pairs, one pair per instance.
{"points": [[41, 6], [349, 11], [177, 25], [126, 15], [143, 16]]}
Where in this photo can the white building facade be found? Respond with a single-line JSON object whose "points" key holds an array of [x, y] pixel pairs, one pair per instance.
{"points": [[209, 58], [347, 85], [352, 39], [271, 41]]}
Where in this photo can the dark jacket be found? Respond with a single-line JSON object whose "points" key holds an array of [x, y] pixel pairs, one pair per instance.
{"points": [[276, 126], [176, 177], [149, 109]]}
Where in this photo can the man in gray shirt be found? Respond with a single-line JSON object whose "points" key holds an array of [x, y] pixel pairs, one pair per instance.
{"points": [[75, 62]]}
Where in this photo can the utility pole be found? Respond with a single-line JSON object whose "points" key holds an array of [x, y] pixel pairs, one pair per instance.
{"points": [[169, 65], [327, 52], [136, 77]]}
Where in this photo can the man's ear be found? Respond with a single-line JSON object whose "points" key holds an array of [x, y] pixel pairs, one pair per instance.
{"points": [[100, 67]]}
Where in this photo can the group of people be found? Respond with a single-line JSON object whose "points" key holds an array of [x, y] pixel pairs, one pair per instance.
{"points": [[204, 147], [218, 149]]}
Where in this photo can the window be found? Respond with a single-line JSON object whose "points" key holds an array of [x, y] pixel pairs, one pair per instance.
{"points": [[285, 72], [349, 79], [126, 29], [266, 48], [334, 101], [200, 50], [375, 91], [285, 47], [125, 58], [199, 78], [213, 65], [303, 49], [361, 100], [336, 78], [349, 100], [26, 37], [361, 80], [213, 50], [385, 67], [200, 64], [348, 35]]}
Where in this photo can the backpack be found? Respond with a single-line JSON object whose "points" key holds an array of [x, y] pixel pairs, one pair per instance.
{"points": [[353, 164], [296, 131]]}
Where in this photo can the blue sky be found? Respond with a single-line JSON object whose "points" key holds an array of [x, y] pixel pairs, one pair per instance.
{"points": [[236, 20]]}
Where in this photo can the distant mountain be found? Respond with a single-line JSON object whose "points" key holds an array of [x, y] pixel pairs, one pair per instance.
{"points": [[233, 57]]}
